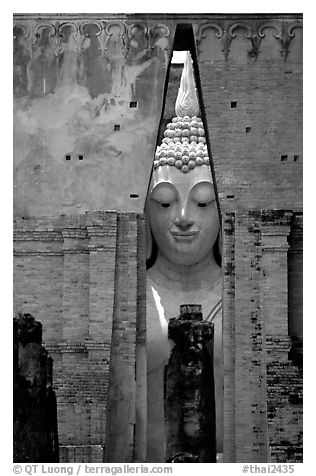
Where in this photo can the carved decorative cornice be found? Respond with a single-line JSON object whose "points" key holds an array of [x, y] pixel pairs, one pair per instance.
{"points": [[139, 38], [119, 38], [254, 33], [116, 37], [28, 33]]}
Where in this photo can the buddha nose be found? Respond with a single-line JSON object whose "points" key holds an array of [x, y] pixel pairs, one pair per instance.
{"points": [[184, 219]]}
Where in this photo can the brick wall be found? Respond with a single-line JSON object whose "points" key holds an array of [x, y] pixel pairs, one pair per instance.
{"points": [[127, 335], [250, 71], [285, 399], [252, 93], [295, 276], [74, 273], [262, 364]]}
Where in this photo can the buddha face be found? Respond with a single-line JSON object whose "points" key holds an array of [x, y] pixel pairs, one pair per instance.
{"points": [[182, 214]]}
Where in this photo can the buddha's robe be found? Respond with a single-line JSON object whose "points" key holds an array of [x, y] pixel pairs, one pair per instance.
{"points": [[163, 303]]}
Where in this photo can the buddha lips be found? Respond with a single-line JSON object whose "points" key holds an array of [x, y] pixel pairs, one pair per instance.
{"points": [[184, 145]]}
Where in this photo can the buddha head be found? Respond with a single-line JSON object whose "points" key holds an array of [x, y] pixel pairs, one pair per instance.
{"points": [[181, 209]]}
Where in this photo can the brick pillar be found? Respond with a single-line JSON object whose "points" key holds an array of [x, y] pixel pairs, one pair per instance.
{"points": [[76, 285], [38, 274], [102, 247], [122, 385], [228, 271], [295, 276], [251, 433], [284, 376], [275, 275], [140, 442]]}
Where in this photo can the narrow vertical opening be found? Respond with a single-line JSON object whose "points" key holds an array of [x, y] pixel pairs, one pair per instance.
{"points": [[161, 202], [204, 118]]}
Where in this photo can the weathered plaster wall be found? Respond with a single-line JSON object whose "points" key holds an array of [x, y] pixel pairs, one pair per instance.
{"points": [[75, 80], [251, 79]]}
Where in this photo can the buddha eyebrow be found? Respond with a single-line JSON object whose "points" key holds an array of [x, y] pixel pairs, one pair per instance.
{"points": [[203, 193], [164, 188]]}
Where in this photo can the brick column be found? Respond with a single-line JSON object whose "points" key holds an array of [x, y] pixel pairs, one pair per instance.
{"points": [[122, 387], [38, 275], [228, 270], [275, 275], [102, 245], [76, 285], [295, 276], [284, 376], [140, 441], [251, 434], [89, 261]]}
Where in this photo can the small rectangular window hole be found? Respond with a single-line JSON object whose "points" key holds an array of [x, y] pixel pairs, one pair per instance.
{"points": [[296, 158], [248, 129], [233, 104], [283, 158], [133, 195], [80, 157], [133, 104], [230, 196], [117, 127], [67, 157]]}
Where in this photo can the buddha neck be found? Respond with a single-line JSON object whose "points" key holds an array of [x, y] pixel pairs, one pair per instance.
{"points": [[193, 277]]}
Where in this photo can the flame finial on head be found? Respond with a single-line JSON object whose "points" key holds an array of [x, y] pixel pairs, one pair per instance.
{"points": [[184, 145], [187, 103]]}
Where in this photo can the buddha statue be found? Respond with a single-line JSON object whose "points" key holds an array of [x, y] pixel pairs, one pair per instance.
{"points": [[183, 228]]}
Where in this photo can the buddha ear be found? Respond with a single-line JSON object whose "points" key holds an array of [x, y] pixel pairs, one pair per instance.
{"points": [[149, 239], [220, 245]]}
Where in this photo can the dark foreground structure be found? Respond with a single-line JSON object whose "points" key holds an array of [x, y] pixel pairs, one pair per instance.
{"points": [[34, 401], [189, 389]]}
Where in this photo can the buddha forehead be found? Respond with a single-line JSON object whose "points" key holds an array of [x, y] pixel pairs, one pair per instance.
{"points": [[182, 182]]}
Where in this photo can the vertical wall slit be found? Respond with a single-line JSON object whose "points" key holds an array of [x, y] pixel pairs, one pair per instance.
{"points": [[160, 128], [183, 42]]}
